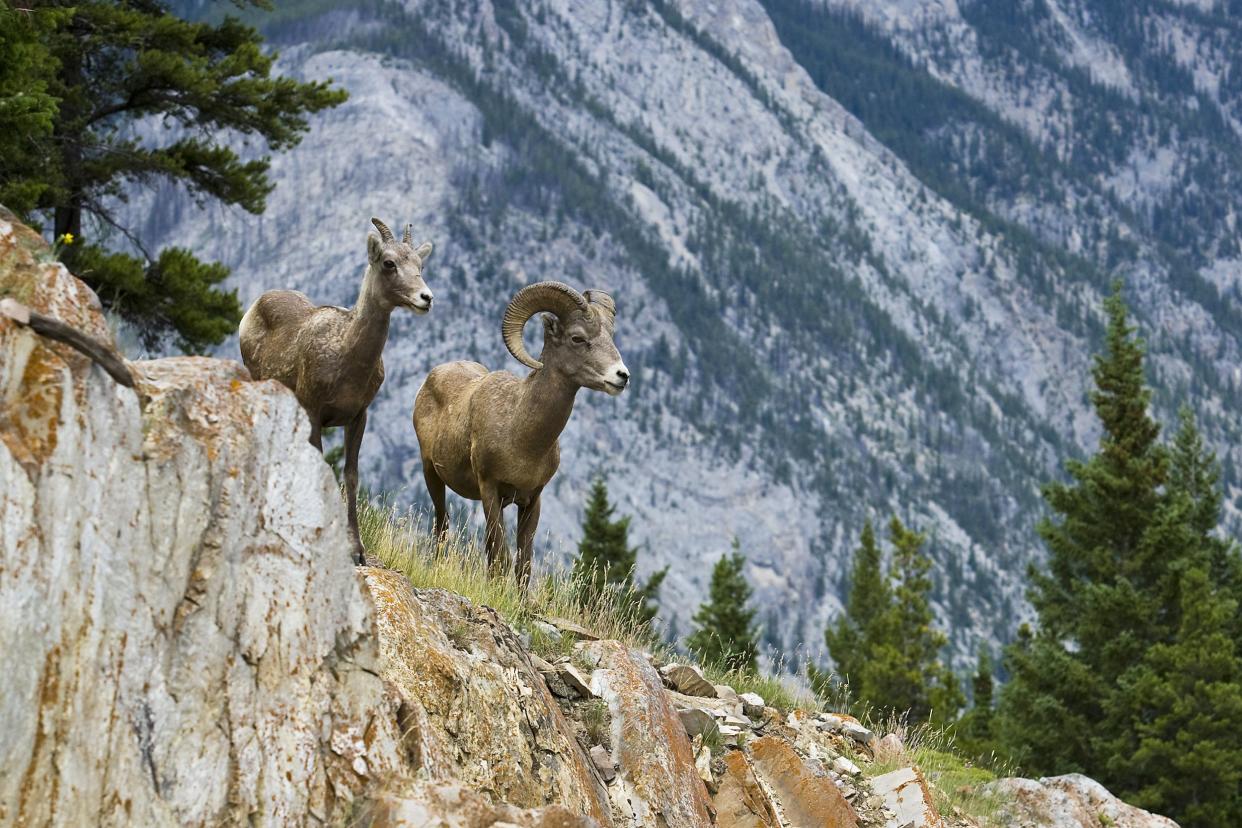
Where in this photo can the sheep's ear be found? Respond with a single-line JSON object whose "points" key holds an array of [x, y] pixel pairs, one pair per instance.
{"points": [[375, 248], [423, 252], [551, 326]]}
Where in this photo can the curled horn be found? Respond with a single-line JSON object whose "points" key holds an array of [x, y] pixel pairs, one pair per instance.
{"points": [[408, 236], [605, 303], [384, 232], [554, 297]]}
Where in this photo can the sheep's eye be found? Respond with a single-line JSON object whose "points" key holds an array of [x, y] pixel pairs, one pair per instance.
{"points": [[389, 264], [578, 340]]}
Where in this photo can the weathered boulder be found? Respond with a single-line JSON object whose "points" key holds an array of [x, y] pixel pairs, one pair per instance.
{"points": [[440, 805], [185, 639], [474, 709], [688, 679], [657, 783], [1071, 801]]}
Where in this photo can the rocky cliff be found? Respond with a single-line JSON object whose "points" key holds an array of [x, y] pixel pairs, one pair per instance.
{"points": [[184, 641]]}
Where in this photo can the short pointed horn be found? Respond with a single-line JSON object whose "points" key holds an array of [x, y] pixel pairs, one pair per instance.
{"points": [[553, 297], [384, 232], [408, 236]]}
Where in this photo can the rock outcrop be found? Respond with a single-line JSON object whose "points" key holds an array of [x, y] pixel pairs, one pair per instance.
{"points": [[185, 640], [1070, 801], [473, 708]]}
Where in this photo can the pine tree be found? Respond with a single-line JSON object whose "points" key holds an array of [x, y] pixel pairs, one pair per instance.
{"points": [[886, 647], [974, 731], [725, 634], [27, 108], [606, 561], [1133, 676], [112, 64], [870, 598]]}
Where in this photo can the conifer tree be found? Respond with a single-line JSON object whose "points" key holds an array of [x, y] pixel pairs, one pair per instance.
{"points": [[974, 732], [869, 599], [1134, 677], [606, 561], [725, 634], [27, 108], [886, 647], [107, 65]]}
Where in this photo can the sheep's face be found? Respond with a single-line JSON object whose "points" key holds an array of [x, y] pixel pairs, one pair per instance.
{"points": [[582, 349], [398, 268]]}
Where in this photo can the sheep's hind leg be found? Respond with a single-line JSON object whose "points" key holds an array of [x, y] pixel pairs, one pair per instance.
{"points": [[528, 521], [493, 514], [435, 488], [353, 441]]}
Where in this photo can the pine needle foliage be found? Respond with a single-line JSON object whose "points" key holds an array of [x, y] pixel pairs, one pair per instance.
{"points": [[94, 70], [1134, 676], [606, 561], [725, 633]]}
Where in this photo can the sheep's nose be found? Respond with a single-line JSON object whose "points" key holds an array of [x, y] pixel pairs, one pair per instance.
{"points": [[623, 374], [425, 296]]}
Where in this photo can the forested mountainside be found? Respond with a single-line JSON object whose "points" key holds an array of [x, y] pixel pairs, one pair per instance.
{"points": [[858, 252]]}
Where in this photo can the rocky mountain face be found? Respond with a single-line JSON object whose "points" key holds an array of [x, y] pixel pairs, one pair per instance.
{"points": [[858, 251], [186, 642]]}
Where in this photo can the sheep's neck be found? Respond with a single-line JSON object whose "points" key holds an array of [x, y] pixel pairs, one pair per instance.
{"points": [[368, 326], [546, 403]]}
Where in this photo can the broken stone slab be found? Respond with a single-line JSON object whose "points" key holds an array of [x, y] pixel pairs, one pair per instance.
{"points": [[804, 798], [752, 704], [574, 680], [830, 722], [724, 691], [602, 760], [843, 765], [719, 707], [703, 763], [698, 721], [564, 625], [858, 733], [687, 679], [906, 794]]}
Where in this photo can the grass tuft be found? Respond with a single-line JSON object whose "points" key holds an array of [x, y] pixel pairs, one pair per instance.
{"points": [[459, 565]]}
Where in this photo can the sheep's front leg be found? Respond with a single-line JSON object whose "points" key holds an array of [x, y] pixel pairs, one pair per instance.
{"points": [[493, 514], [528, 522], [353, 441], [316, 438]]}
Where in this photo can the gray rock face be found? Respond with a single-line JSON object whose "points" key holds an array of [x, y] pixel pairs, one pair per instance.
{"points": [[1071, 801], [185, 640]]}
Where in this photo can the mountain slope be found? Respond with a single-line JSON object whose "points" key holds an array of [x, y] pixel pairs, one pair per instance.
{"points": [[858, 267]]}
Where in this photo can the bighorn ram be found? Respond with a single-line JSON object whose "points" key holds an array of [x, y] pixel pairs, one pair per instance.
{"points": [[492, 436], [332, 357]]}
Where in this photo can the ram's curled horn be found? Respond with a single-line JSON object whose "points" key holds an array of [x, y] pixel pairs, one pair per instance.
{"points": [[408, 237], [604, 301], [554, 297], [384, 232]]}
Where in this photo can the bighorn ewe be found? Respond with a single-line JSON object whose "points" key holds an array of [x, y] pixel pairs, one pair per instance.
{"points": [[332, 357], [492, 436]]}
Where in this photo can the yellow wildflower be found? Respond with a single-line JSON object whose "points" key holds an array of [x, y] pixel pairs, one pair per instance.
{"points": [[66, 238]]}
